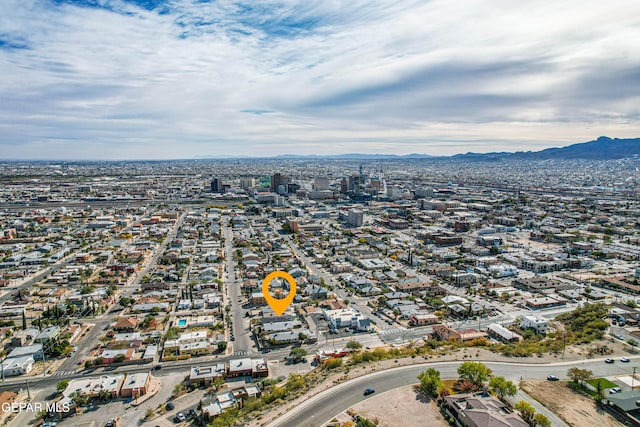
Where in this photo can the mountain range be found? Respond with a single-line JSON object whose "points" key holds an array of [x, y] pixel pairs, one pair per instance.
{"points": [[603, 148]]}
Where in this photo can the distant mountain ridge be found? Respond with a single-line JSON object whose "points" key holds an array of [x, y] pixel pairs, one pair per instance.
{"points": [[603, 148]]}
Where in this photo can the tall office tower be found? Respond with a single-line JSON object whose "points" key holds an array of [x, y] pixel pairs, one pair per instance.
{"points": [[361, 169], [216, 185], [247, 183], [321, 184], [376, 185], [344, 186], [275, 181], [354, 183], [355, 218], [284, 182]]}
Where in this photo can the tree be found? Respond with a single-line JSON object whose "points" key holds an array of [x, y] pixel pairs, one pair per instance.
{"points": [[79, 398], [541, 421], [633, 343], [503, 387], [62, 385], [353, 345], [527, 411], [579, 376], [222, 346], [149, 413], [476, 372], [298, 353], [430, 382], [119, 358], [217, 382]]}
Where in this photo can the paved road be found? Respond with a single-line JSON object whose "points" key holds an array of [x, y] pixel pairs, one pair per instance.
{"points": [[242, 343], [321, 408]]}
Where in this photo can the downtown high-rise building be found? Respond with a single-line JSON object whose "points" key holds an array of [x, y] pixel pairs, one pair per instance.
{"points": [[216, 185]]}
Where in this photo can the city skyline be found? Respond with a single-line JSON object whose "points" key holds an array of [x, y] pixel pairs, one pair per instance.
{"points": [[84, 80]]}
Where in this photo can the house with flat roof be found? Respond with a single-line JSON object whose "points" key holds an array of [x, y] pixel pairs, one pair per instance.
{"points": [[136, 385], [34, 350], [535, 323], [14, 366], [481, 410], [204, 375], [500, 333], [240, 367]]}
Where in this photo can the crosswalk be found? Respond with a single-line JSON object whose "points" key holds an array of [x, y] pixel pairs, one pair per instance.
{"points": [[62, 373], [242, 353], [391, 331]]}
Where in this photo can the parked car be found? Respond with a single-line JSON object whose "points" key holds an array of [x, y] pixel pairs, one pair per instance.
{"points": [[624, 359], [608, 360], [615, 390], [180, 417], [369, 391], [552, 378]]}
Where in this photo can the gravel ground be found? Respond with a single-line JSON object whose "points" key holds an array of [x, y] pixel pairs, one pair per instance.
{"points": [[399, 407], [575, 409]]}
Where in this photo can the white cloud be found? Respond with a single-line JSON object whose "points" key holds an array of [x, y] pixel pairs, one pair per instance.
{"points": [[190, 78]]}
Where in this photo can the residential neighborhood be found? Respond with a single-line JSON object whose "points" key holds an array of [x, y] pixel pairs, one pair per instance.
{"points": [[141, 297]]}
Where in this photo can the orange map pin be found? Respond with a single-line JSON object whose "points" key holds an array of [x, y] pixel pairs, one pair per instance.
{"points": [[279, 305]]}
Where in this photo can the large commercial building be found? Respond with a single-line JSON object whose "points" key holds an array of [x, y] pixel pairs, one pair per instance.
{"points": [[355, 218]]}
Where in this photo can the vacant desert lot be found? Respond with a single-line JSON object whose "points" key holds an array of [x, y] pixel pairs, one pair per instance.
{"points": [[399, 407], [576, 409]]}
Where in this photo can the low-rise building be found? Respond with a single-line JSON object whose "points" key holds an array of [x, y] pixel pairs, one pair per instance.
{"points": [[481, 410], [136, 385], [535, 323], [500, 333], [205, 375], [14, 366], [445, 332]]}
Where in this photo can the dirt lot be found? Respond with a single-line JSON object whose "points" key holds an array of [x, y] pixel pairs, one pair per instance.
{"points": [[399, 407], [573, 408]]}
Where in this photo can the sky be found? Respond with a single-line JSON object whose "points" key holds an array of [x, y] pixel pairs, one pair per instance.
{"points": [[156, 79]]}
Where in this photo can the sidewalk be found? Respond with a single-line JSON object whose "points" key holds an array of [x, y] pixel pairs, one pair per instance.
{"points": [[521, 395]]}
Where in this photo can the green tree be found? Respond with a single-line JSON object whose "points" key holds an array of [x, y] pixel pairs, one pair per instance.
{"points": [[226, 419], [149, 413], [79, 398], [633, 343], [503, 387], [217, 382], [527, 411], [430, 382], [62, 385], [476, 372], [363, 422], [353, 345], [298, 353], [222, 346], [579, 376], [541, 421]]}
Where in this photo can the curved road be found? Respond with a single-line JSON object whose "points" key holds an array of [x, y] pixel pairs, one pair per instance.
{"points": [[327, 404]]}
